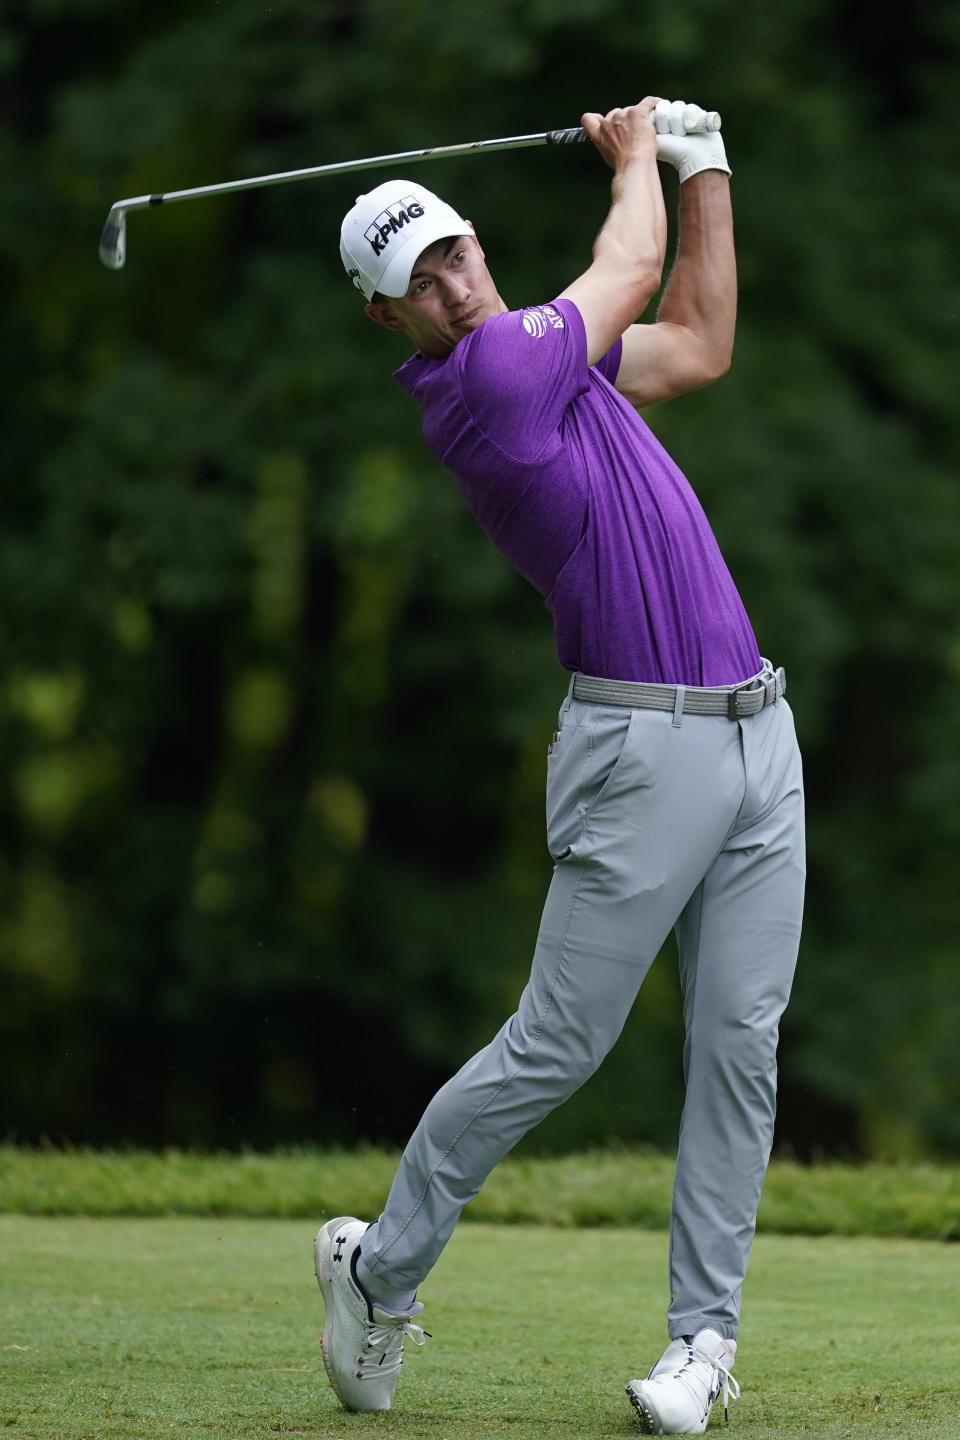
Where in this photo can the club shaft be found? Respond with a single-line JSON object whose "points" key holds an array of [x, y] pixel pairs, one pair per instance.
{"points": [[113, 239], [345, 167]]}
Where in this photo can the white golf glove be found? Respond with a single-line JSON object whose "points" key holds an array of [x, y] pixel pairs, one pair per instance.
{"points": [[688, 153]]}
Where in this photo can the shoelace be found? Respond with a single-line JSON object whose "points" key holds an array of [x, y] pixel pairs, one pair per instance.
{"points": [[388, 1338], [729, 1387], [725, 1384]]}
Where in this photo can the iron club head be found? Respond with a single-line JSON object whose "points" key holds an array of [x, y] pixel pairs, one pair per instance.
{"points": [[113, 240]]}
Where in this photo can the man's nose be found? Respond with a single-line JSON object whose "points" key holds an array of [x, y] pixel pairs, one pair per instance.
{"points": [[458, 289]]}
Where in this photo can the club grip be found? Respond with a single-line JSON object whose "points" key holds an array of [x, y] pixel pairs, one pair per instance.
{"points": [[566, 137], [695, 122], [700, 122]]}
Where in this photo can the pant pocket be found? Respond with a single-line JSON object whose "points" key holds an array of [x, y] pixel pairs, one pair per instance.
{"points": [[582, 768]]}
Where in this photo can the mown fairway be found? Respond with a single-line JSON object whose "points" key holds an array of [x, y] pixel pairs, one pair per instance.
{"points": [[187, 1326]]}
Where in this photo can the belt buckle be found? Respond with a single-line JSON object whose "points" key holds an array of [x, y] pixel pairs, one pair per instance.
{"points": [[733, 707]]}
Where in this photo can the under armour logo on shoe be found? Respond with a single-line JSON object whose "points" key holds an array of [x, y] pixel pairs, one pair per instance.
{"points": [[340, 1241]]}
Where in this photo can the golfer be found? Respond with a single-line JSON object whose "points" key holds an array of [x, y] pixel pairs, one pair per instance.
{"points": [[674, 788]]}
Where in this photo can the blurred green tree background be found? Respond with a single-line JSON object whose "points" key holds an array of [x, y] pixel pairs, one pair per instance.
{"points": [[274, 712]]}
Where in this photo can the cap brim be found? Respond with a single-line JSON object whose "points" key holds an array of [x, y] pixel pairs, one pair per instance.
{"points": [[395, 280]]}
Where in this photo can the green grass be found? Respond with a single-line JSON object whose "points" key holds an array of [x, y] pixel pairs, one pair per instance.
{"points": [[609, 1187], [209, 1327]]}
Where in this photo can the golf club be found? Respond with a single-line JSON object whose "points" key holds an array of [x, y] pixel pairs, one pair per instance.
{"points": [[113, 240]]}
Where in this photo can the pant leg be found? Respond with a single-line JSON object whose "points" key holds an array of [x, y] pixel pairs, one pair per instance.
{"points": [[738, 939], [637, 809]]}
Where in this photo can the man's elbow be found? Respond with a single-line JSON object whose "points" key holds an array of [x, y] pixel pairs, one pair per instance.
{"points": [[709, 363], [694, 368], [719, 363]]}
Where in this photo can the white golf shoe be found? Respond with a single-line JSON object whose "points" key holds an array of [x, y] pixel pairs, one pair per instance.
{"points": [[677, 1396], [362, 1343]]}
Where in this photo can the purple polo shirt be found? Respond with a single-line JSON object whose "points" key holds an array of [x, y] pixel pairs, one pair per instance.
{"points": [[574, 489]]}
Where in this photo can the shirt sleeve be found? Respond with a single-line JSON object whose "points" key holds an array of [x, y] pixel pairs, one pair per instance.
{"points": [[609, 364], [520, 371]]}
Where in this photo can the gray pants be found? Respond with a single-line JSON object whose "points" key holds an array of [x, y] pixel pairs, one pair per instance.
{"points": [[654, 820]]}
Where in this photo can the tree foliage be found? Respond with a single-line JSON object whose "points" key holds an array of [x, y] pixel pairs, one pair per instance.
{"points": [[273, 711]]}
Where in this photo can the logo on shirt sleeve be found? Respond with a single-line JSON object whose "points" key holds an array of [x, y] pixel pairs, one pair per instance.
{"points": [[539, 318]]}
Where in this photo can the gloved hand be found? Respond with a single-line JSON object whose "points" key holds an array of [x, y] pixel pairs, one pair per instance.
{"points": [[688, 153]]}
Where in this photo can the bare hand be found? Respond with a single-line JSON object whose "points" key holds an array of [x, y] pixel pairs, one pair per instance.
{"points": [[624, 133]]}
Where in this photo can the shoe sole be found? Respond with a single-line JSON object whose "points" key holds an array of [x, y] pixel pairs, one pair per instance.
{"points": [[647, 1416], [322, 1246]]}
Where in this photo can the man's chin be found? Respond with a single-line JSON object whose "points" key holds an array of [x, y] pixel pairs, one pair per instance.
{"points": [[474, 317], [471, 322], [442, 345]]}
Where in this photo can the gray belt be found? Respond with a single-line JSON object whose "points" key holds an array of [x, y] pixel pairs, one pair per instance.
{"points": [[735, 703]]}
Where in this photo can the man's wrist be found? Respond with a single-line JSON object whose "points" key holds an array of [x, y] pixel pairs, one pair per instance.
{"points": [[704, 178], [636, 158]]}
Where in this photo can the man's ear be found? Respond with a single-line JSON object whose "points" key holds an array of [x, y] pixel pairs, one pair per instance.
{"points": [[383, 315]]}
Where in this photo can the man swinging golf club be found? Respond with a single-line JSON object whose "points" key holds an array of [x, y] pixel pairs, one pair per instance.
{"points": [[674, 788]]}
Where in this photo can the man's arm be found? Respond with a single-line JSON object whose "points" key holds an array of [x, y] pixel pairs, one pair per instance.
{"points": [[691, 342], [628, 253]]}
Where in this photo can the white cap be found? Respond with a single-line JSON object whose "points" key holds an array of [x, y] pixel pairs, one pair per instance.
{"points": [[387, 231]]}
